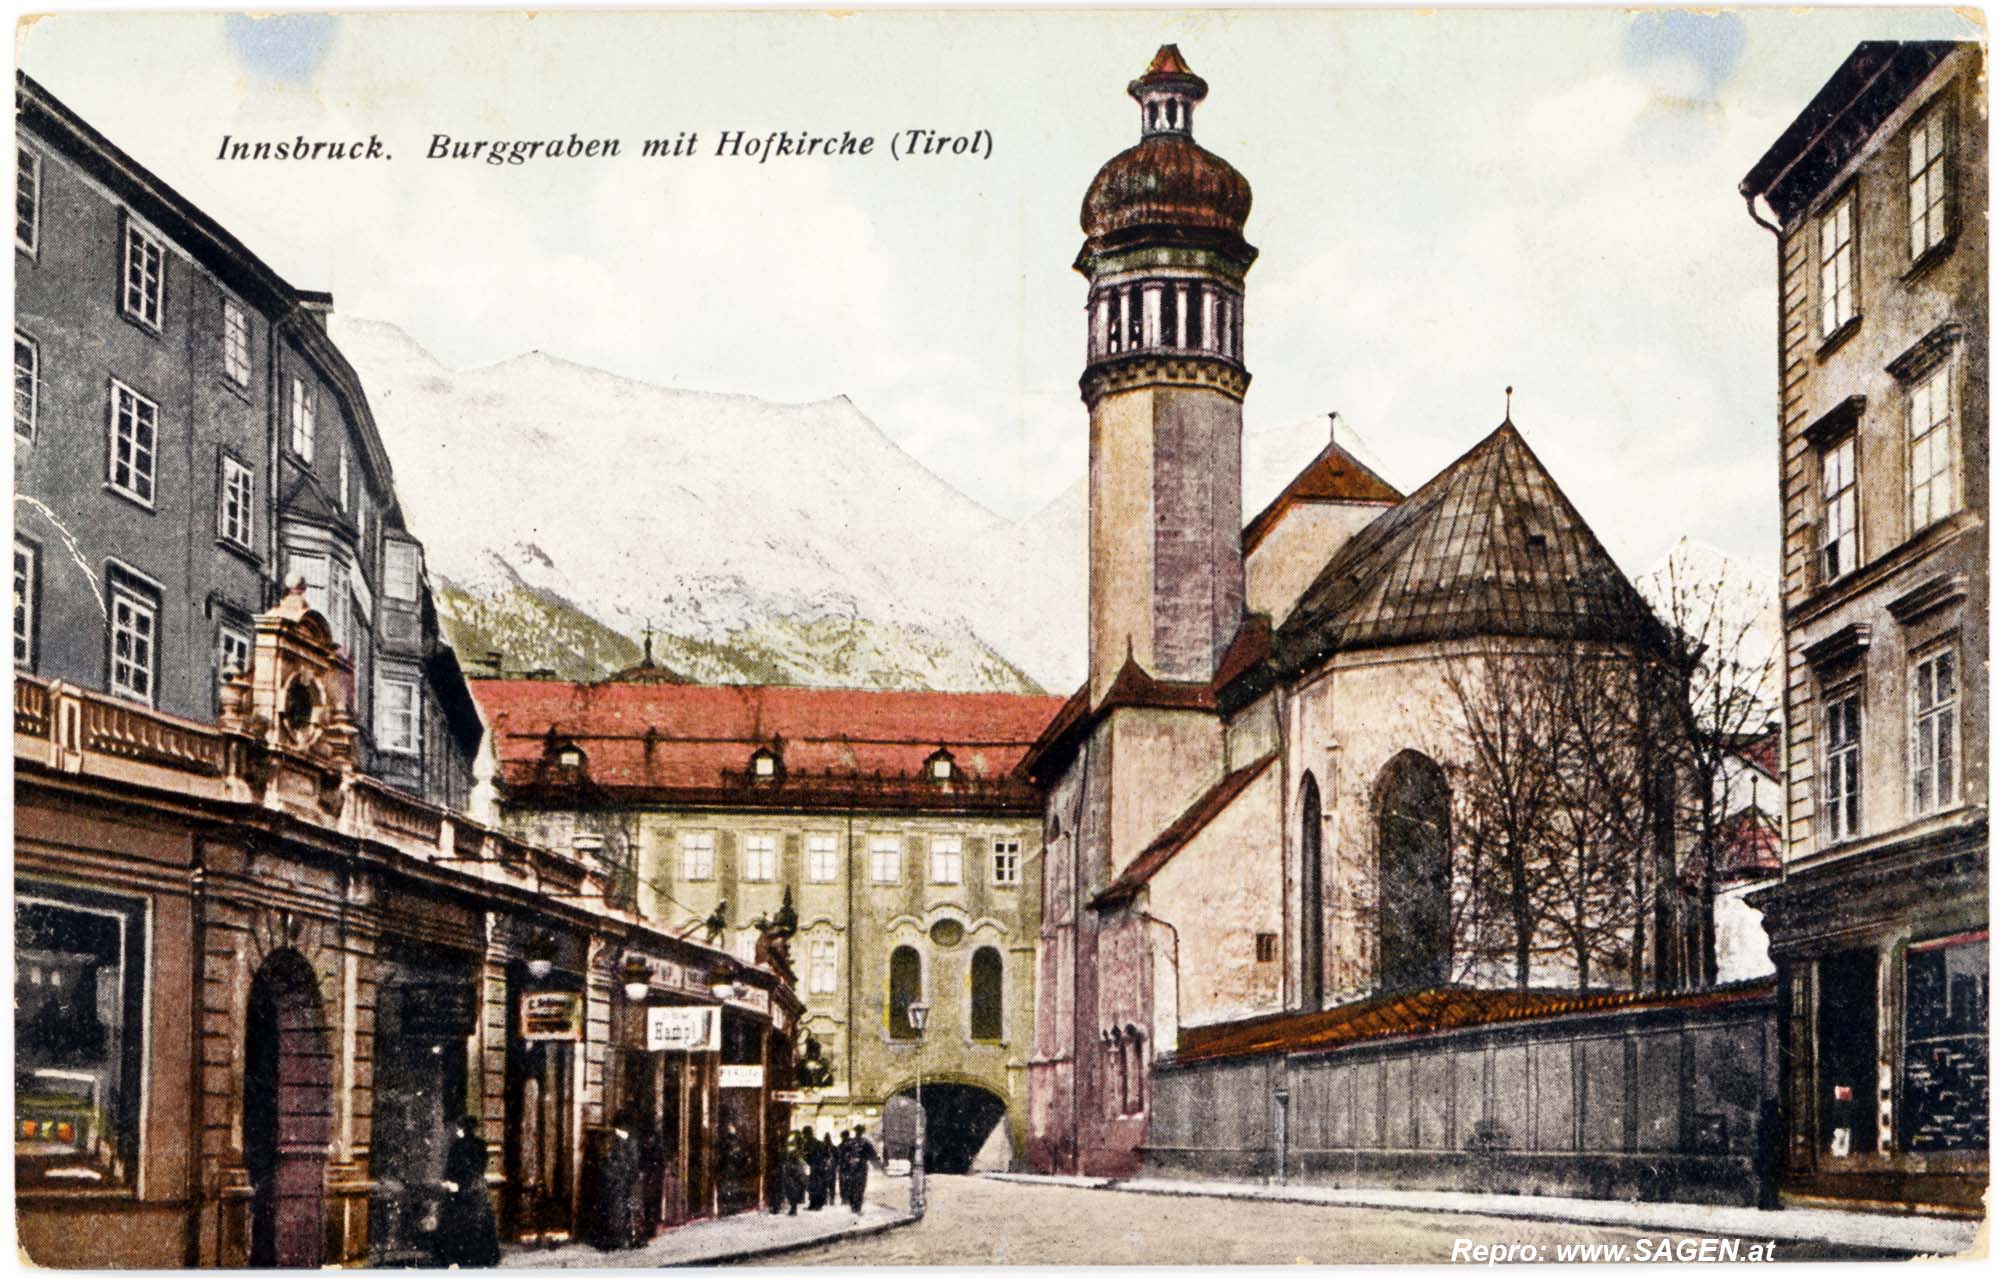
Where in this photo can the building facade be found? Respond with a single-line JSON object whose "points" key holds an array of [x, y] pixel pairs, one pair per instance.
{"points": [[886, 823], [256, 988], [1265, 807], [1877, 194], [187, 439]]}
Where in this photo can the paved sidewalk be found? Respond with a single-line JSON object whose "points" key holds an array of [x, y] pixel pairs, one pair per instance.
{"points": [[1922, 1235], [733, 1238]]}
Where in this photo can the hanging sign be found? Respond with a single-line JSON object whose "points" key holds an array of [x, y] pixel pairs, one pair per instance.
{"points": [[551, 1017], [742, 1076], [789, 1096], [683, 1029]]}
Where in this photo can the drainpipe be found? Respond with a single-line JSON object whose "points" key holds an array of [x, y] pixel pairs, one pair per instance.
{"points": [[1785, 707]]}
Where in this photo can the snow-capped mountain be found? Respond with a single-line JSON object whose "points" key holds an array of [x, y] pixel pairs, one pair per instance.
{"points": [[565, 510]]}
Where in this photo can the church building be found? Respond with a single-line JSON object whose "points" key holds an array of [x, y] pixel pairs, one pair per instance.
{"points": [[1250, 803]]}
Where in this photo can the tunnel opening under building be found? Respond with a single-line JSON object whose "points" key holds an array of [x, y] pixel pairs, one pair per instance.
{"points": [[960, 1123]]}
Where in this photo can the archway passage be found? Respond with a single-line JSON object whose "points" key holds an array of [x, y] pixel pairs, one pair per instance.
{"points": [[959, 1121], [287, 1114], [1413, 874]]}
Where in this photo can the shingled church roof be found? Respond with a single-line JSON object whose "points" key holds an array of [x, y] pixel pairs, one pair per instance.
{"points": [[1490, 546]]}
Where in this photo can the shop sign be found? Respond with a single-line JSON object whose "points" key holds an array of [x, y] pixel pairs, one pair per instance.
{"points": [[755, 999], [788, 1096], [683, 1029], [551, 1017], [742, 1076], [439, 1010]]}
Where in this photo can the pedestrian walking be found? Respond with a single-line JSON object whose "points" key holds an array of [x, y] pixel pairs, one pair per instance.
{"points": [[466, 1235], [621, 1212], [855, 1154], [820, 1161], [795, 1172]]}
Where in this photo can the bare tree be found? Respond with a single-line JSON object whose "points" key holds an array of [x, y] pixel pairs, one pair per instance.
{"points": [[1726, 638]]}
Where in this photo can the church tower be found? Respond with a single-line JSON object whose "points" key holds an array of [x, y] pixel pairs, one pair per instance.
{"points": [[1164, 381]]}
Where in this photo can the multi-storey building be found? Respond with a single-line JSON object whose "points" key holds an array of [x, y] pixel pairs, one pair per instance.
{"points": [[1877, 194], [186, 439], [889, 822]]}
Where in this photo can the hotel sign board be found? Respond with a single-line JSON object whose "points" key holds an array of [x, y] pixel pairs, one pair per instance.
{"points": [[683, 1029]]}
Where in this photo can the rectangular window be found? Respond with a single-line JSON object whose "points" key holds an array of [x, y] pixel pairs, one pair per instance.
{"points": [[760, 858], [1929, 222], [302, 419], [134, 631], [236, 342], [1840, 530], [1267, 947], [823, 968], [1933, 451], [885, 860], [398, 725], [1006, 862], [27, 199], [1934, 732], [401, 567], [344, 479], [78, 1004], [1944, 1105], [135, 427], [232, 649], [697, 856], [822, 858], [1843, 766], [145, 275], [25, 570], [947, 859], [1836, 266], [234, 518], [27, 384]]}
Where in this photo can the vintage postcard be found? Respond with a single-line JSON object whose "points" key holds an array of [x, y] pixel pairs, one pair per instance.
{"points": [[1000, 637]]}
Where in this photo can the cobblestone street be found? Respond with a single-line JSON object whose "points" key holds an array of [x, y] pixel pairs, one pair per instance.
{"points": [[983, 1222]]}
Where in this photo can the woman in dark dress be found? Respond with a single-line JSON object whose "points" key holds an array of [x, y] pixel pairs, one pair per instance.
{"points": [[466, 1234]]}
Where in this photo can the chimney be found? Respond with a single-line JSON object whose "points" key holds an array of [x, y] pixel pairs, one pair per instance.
{"points": [[317, 305]]}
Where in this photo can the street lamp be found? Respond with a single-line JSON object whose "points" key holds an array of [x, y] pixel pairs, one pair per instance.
{"points": [[637, 977], [919, 1013]]}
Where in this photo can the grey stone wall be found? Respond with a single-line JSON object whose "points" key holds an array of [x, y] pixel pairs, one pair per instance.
{"points": [[1649, 1105]]}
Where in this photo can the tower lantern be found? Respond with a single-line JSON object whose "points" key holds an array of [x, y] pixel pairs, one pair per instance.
{"points": [[1164, 380]]}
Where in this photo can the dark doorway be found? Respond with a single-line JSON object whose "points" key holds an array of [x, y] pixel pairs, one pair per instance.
{"points": [[958, 1120], [287, 1114], [1847, 1054], [1413, 874], [1312, 947]]}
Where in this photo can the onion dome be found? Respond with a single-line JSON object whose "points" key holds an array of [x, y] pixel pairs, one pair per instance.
{"points": [[1166, 182]]}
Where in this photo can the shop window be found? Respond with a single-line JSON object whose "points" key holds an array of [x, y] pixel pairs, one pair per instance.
{"points": [[1944, 1103], [906, 986], [78, 991], [986, 994], [1847, 1054]]}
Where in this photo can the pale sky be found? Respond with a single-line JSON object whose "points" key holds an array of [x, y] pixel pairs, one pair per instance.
{"points": [[1445, 204]]}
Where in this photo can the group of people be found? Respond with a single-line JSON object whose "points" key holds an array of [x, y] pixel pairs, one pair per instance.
{"points": [[815, 1164]]}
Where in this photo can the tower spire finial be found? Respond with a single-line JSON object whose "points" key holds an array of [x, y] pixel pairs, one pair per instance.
{"points": [[647, 660], [1510, 406]]}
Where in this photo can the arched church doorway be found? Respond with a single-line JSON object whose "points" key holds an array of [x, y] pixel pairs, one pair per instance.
{"points": [[1413, 874], [961, 1123], [1312, 910], [287, 1114]]}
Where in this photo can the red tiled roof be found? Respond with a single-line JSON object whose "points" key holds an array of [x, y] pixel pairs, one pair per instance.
{"points": [[1177, 836], [1449, 1007], [1749, 846], [1334, 475], [688, 740], [1760, 752]]}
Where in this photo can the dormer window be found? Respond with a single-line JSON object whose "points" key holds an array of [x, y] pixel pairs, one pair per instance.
{"points": [[765, 766], [569, 757], [940, 767]]}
